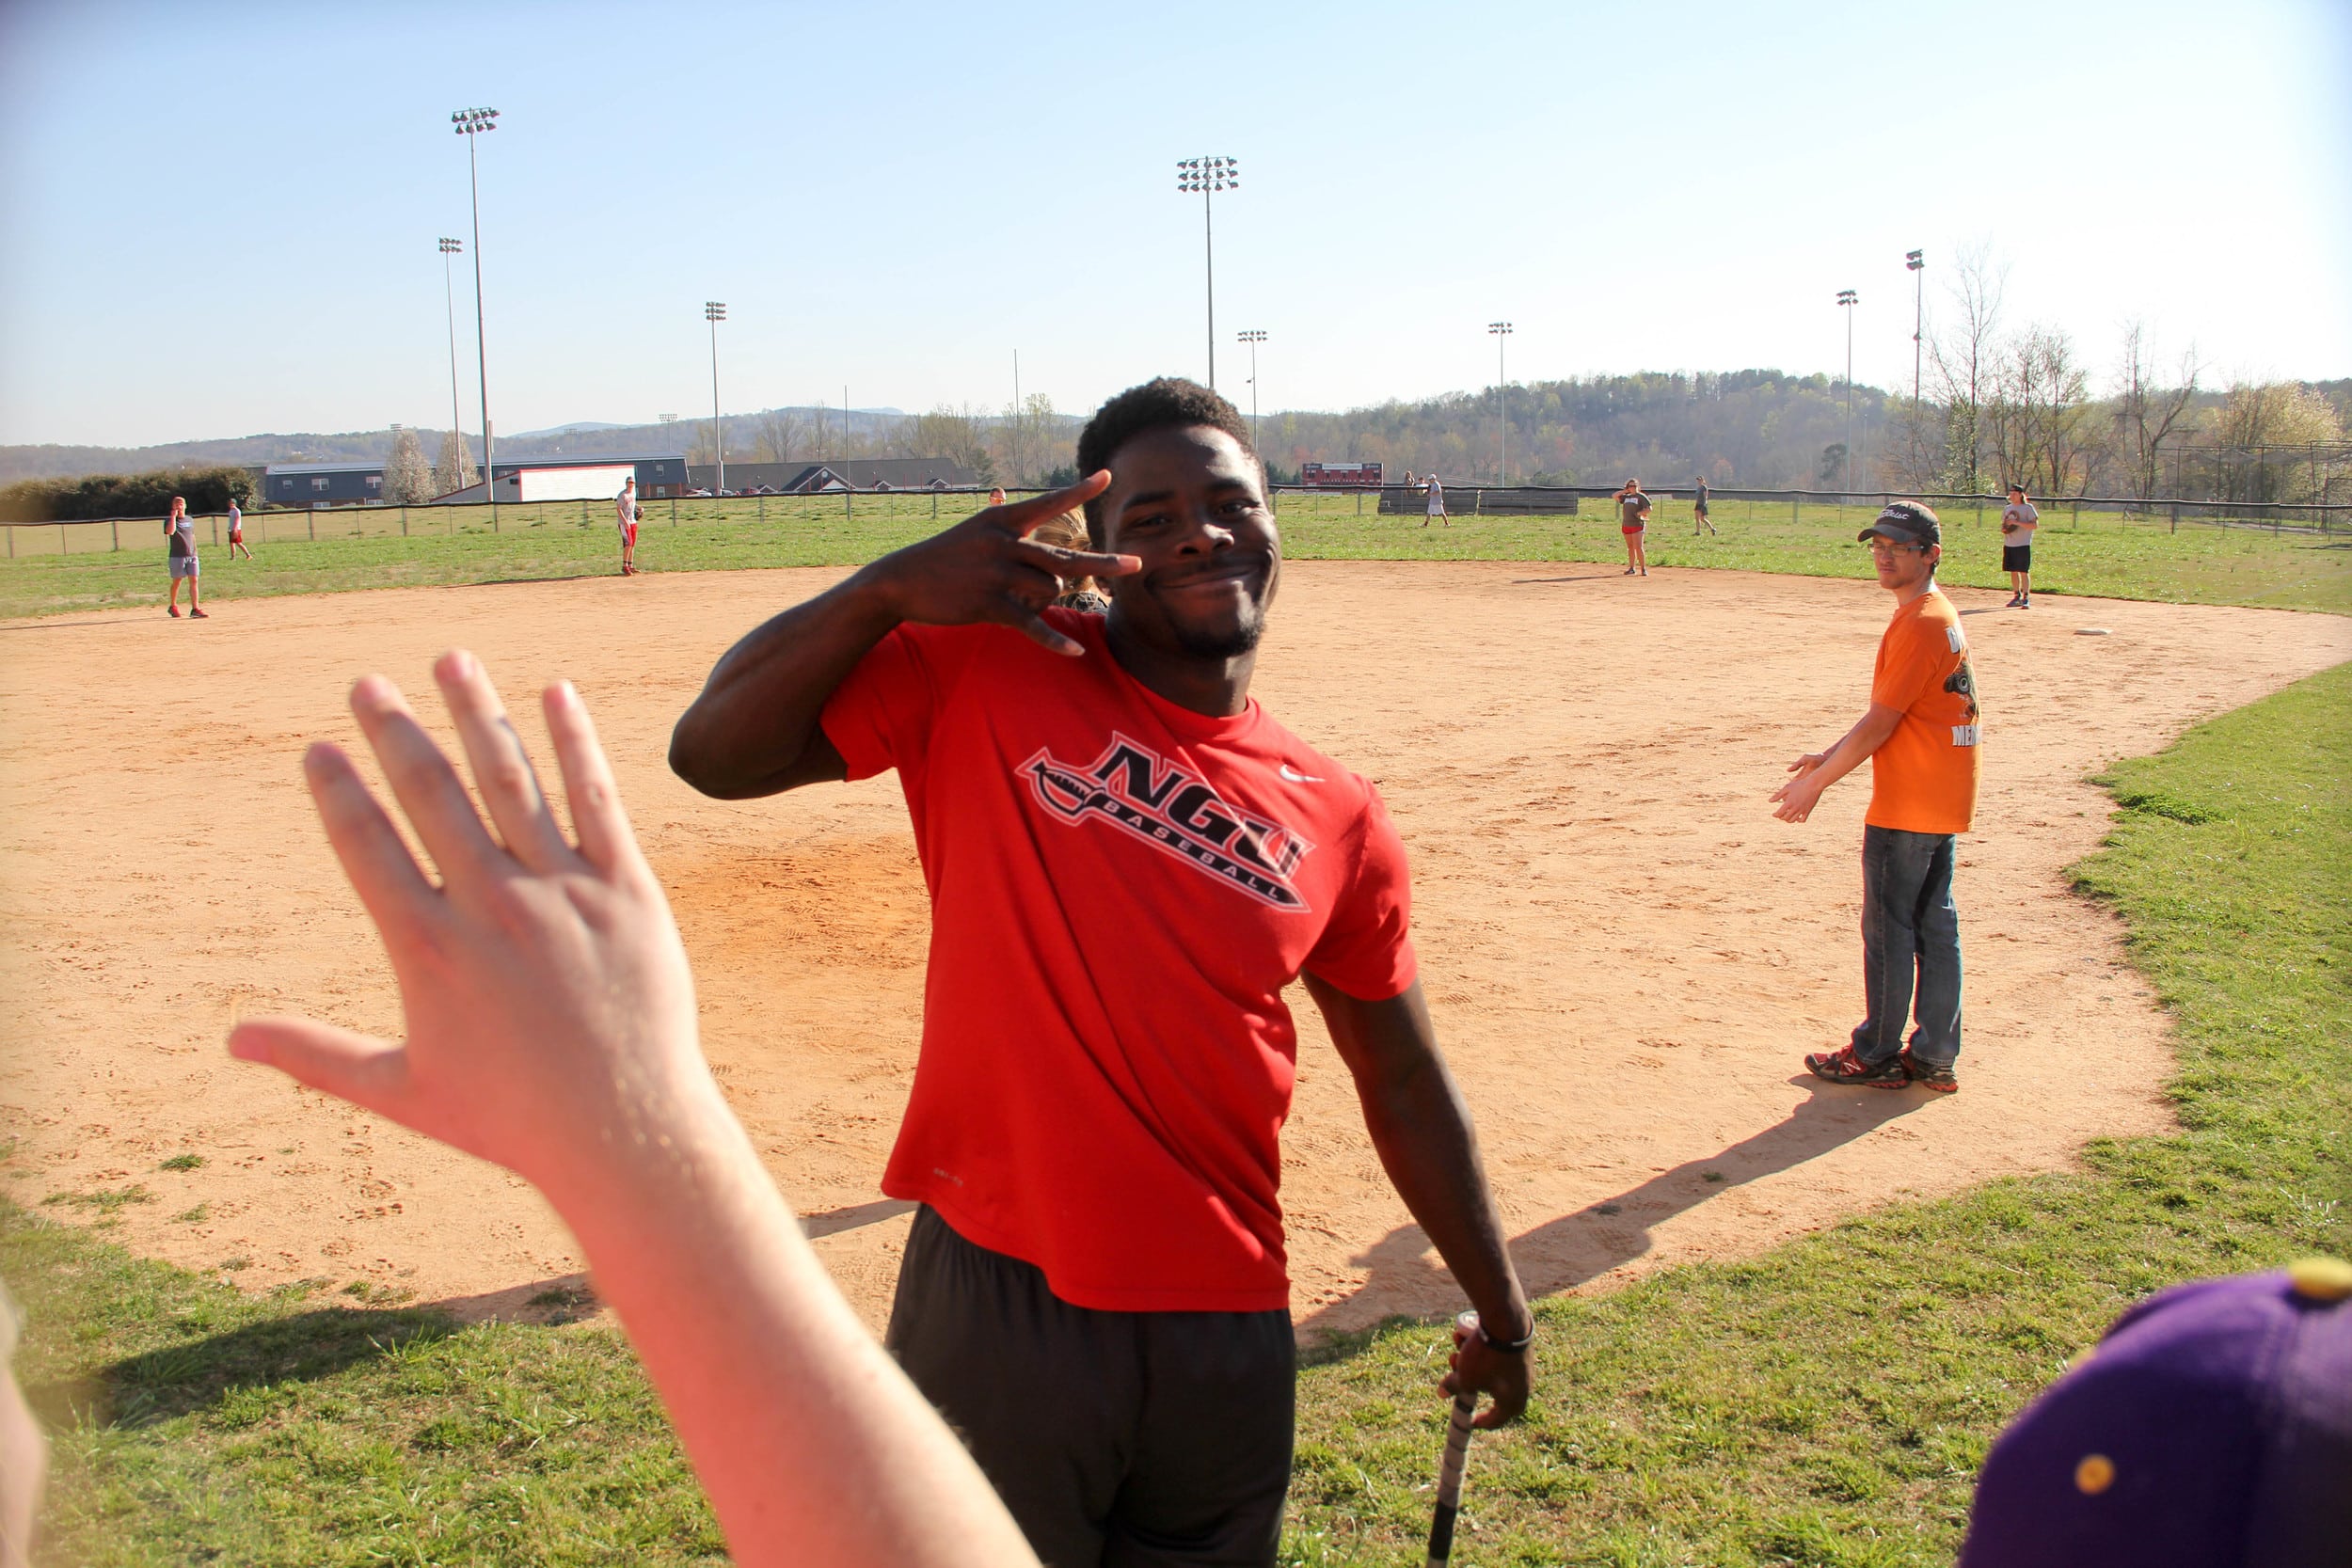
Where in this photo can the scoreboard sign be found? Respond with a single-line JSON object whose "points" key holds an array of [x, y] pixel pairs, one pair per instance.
{"points": [[1366, 475]]}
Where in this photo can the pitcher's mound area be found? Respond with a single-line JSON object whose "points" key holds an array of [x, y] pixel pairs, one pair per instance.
{"points": [[1626, 955]]}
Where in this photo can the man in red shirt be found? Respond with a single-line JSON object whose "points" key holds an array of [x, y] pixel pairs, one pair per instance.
{"points": [[1128, 861]]}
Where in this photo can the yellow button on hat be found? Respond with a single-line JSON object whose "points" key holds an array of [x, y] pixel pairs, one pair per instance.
{"points": [[2094, 1475], [2320, 1278]]}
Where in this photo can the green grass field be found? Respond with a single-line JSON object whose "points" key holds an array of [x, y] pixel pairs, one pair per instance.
{"points": [[57, 570], [1827, 1402]]}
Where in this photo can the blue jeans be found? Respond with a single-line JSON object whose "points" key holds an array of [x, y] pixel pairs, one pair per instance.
{"points": [[1910, 930]]}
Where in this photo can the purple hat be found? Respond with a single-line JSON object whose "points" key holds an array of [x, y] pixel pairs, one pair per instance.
{"points": [[2212, 1426]]}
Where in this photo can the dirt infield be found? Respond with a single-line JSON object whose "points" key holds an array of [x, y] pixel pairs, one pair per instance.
{"points": [[1624, 952]]}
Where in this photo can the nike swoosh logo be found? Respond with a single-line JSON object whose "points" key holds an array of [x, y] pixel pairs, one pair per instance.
{"points": [[1296, 777]]}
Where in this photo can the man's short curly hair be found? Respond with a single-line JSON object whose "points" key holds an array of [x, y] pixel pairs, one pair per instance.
{"points": [[1157, 405]]}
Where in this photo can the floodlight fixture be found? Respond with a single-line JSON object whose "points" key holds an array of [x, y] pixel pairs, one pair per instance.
{"points": [[1847, 298], [715, 312], [1918, 261], [470, 123], [1208, 177], [1499, 331], [1253, 338], [449, 305]]}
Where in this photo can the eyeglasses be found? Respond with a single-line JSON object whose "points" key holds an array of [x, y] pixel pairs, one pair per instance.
{"points": [[1888, 547]]}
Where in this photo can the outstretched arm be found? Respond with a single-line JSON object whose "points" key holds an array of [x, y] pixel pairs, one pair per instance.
{"points": [[551, 1028], [755, 731], [1817, 771], [1421, 1129]]}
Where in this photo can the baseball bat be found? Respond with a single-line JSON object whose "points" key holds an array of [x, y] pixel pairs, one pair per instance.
{"points": [[1457, 1436]]}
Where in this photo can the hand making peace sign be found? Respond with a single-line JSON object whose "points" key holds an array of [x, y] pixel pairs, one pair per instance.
{"points": [[988, 568]]}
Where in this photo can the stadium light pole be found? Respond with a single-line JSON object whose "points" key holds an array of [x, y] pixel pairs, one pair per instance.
{"points": [[1253, 338], [448, 299], [1847, 300], [1918, 261], [1210, 177], [715, 312], [1502, 332], [470, 123]]}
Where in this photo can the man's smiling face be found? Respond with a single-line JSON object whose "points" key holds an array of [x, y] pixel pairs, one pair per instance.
{"points": [[1190, 501]]}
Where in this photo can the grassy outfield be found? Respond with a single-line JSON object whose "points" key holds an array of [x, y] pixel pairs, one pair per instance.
{"points": [[1825, 1403], [364, 548]]}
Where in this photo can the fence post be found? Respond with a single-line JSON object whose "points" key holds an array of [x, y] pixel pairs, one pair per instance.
{"points": [[763, 512], [1796, 508], [2078, 523], [11, 544], [216, 534], [1980, 511], [849, 504], [673, 512], [114, 526], [2176, 517], [311, 522], [61, 539], [404, 522]]}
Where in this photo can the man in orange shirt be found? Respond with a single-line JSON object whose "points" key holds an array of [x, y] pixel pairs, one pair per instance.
{"points": [[1920, 735]]}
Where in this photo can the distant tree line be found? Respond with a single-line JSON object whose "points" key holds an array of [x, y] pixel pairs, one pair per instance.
{"points": [[148, 495]]}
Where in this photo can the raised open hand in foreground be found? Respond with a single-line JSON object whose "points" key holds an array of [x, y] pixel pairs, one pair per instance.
{"points": [[550, 1020]]}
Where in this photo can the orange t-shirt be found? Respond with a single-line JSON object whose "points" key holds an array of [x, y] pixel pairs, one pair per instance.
{"points": [[1924, 778]]}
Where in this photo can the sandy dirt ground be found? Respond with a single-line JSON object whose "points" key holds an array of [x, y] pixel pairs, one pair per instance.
{"points": [[1625, 954]]}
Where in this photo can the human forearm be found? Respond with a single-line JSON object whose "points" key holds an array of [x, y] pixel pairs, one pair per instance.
{"points": [[1422, 1129], [767, 1374], [755, 728]]}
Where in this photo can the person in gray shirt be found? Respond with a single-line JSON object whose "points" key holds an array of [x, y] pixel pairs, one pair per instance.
{"points": [[2019, 522], [180, 530]]}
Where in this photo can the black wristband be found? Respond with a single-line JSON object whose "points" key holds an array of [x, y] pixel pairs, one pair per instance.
{"points": [[1508, 1347]]}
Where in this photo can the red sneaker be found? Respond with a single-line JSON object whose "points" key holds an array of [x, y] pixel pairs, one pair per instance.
{"points": [[196, 614], [175, 610], [1842, 1066]]}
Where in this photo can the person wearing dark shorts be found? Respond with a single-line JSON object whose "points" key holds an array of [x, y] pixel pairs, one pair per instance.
{"points": [[2019, 523], [1128, 861], [1698, 508], [179, 542]]}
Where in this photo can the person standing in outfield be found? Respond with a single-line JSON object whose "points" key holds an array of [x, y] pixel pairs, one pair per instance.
{"points": [[180, 531], [1698, 508], [1128, 860], [236, 531], [1634, 523], [1920, 735], [2019, 523], [625, 512], [1437, 504]]}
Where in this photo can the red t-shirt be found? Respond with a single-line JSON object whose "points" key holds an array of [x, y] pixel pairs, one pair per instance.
{"points": [[1121, 888]]}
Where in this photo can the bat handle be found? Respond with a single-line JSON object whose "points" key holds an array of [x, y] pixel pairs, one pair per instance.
{"points": [[1457, 1436]]}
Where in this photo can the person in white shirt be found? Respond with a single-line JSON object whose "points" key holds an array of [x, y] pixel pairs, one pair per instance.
{"points": [[1437, 504], [236, 531], [625, 512], [2019, 521]]}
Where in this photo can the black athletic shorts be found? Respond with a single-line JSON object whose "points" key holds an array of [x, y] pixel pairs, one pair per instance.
{"points": [[2016, 558], [1122, 1439]]}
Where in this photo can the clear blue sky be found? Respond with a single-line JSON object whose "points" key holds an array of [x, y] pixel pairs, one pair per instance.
{"points": [[224, 215]]}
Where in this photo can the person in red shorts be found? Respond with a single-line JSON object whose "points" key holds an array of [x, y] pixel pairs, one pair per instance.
{"points": [[626, 512], [1634, 523], [1920, 735], [1128, 860]]}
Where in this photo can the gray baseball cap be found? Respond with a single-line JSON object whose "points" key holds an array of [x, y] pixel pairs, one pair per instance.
{"points": [[1906, 523]]}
